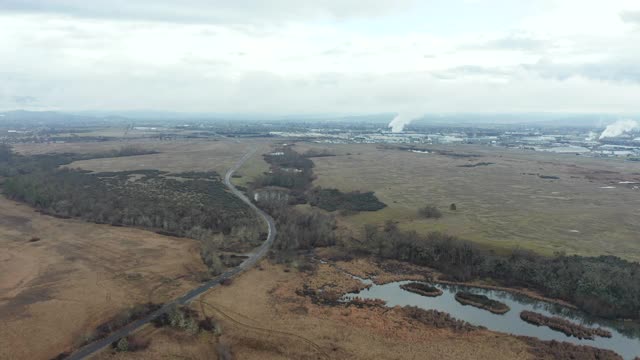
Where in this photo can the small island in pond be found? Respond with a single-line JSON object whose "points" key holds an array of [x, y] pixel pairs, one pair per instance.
{"points": [[421, 289], [482, 302], [564, 326]]}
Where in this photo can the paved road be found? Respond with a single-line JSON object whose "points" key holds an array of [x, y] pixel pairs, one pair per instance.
{"points": [[94, 347]]}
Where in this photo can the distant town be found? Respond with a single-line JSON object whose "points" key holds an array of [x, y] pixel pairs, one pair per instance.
{"points": [[613, 138]]}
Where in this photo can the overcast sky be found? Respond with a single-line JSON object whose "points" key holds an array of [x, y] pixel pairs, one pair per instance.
{"points": [[309, 56]]}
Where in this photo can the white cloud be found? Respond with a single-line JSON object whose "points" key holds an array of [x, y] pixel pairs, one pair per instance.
{"points": [[321, 56], [209, 11], [631, 17]]}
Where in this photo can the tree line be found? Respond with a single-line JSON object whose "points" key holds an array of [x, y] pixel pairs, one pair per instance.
{"points": [[301, 230], [294, 171], [193, 204], [604, 286]]}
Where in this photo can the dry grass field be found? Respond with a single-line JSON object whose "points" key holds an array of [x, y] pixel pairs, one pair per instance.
{"points": [[58, 289], [263, 318], [124, 132], [174, 156], [587, 210]]}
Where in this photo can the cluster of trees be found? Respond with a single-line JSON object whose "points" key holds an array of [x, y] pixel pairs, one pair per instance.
{"points": [[127, 150], [181, 318], [318, 153], [294, 171], [288, 170], [12, 164], [183, 208], [301, 230], [334, 199], [604, 286], [192, 204]]}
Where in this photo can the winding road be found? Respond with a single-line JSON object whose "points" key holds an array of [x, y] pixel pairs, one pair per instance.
{"points": [[96, 346]]}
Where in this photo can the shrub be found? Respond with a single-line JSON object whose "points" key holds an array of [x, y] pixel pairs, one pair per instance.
{"points": [[210, 325], [430, 212], [422, 289], [334, 199], [130, 344], [482, 302], [181, 318], [122, 345]]}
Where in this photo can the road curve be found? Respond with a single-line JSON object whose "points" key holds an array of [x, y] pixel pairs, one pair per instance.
{"points": [[96, 346]]}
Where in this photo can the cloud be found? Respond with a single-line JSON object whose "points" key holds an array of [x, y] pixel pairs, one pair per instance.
{"points": [[473, 71], [24, 100], [315, 56], [210, 11], [184, 89], [611, 70], [514, 42], [630, 17]]}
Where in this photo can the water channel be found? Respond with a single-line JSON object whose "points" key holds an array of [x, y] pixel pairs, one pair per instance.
{"points": [[625, 338]]}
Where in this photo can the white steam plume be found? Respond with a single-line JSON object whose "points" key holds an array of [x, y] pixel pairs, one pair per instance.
{"points": [[403, 119], [619, 127]]}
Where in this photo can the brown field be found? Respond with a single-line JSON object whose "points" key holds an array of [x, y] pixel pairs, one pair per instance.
{"points": [[173, 156], [56, 290], [263, 318], [500, 204]]}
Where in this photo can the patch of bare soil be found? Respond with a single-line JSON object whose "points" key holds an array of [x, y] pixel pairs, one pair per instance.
{"points": [[56, 290]]}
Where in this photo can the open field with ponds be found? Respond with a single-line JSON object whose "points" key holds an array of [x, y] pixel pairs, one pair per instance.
{"points": [[262, 317], [505, 198]]}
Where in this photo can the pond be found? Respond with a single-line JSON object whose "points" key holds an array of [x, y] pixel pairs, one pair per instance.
{"points": [[625, 338]]}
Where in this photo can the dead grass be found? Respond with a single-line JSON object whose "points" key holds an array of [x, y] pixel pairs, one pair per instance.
{"points": [[501, 204], [263, 318], [174, 156], [56, 290]]}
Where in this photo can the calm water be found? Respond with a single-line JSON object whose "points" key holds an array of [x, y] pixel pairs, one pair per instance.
{"points": [[625, 340]]}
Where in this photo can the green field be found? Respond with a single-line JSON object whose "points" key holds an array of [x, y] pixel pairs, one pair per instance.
{"points": [[506, 204]]}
